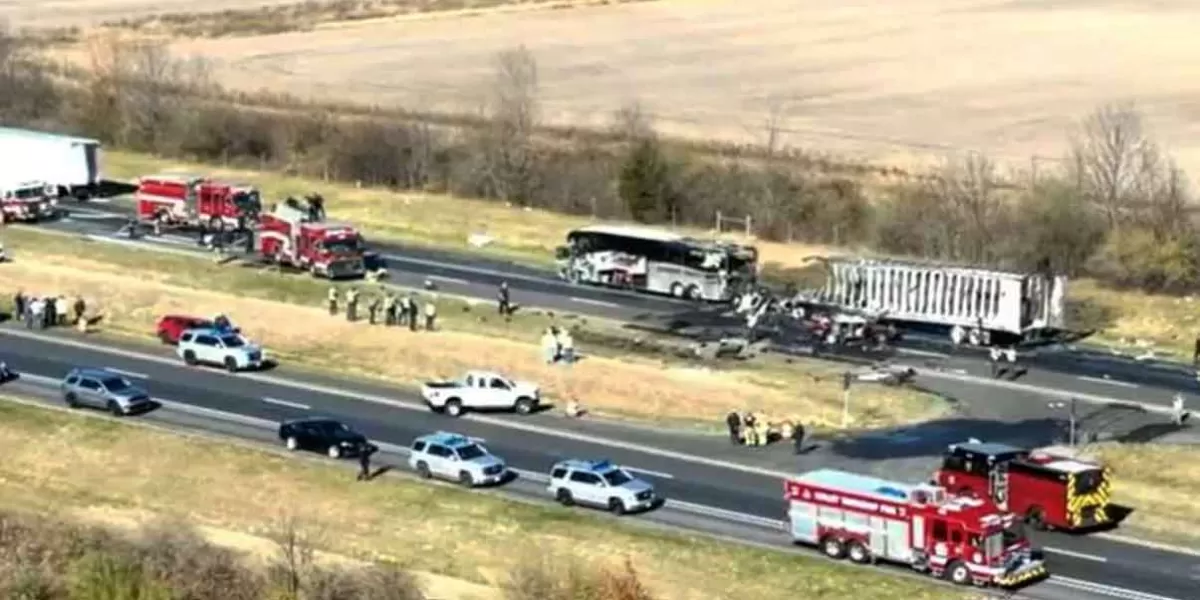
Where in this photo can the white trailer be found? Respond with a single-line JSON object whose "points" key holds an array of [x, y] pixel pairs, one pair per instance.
{"points": [[975, 304], [70, 164]]}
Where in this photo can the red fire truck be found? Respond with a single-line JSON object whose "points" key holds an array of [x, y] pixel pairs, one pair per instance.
{"points": [[1047, 489], [298, 236], [190, 201], [865, 519], [27, 201]]}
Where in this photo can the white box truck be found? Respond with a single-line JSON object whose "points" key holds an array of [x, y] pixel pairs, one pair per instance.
{"points": [[70, 165]]}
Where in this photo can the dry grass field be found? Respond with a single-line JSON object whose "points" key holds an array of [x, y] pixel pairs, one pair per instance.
{"points": [[884, 81], [1162, 484], [99, 469], [131, 289]]}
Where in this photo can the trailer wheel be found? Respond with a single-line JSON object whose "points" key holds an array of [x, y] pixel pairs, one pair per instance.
{"points": [[833, 548], [215, 224], [692, 293], [677, 289], [957, 335]]}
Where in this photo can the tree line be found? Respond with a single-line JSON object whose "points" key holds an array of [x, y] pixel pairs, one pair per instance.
{"points": [[1118, 209]]}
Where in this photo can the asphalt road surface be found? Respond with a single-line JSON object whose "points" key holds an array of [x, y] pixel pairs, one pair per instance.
{"points": [[693, 469], [1069, 369]]}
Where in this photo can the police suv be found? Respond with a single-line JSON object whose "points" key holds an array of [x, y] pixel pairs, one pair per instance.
{"points": [[600, 484], [457, 458]]}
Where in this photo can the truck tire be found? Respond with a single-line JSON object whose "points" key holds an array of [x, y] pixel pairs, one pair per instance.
{"points": [[833, 547], [1035, 518], [523, 406], [215, 224], [334, 452], [231, 364], [70, 400], [292, 443], [858, 553], [115, 409], [677, 289], [958, 573], [423, 470], [464, 477], [564, 497], [692, 293], [454, 407], [189, 358]]}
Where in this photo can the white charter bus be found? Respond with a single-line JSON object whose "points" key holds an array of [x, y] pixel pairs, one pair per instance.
{"points": [[657, 262]]}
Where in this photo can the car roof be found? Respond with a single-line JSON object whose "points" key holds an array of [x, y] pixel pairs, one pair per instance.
{"points": [[592, 466], [314, 421], [448, 439], [208, 331], [93, 372]]}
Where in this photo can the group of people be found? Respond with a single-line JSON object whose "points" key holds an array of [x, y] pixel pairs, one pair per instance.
{"points": [[41, 312], [749, 429], [392, 310], [558, 346]]}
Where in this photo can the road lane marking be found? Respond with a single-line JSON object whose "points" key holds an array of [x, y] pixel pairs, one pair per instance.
{"points": [[449, 280], [1073, 554], [133, 374], [1108, 381], [594, 302], [278, 402], [658, 474], [1104, 589], [916, 352]]}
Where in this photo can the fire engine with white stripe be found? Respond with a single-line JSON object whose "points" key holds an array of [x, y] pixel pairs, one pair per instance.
{"points": [[298, 236], [965, 540], [189, 201]]}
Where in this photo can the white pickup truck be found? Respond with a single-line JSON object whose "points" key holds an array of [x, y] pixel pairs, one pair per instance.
{"points": [[481, 390]]}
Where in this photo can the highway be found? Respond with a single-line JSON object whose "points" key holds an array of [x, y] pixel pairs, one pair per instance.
{"points": [[732, 492], [1065, 369]]}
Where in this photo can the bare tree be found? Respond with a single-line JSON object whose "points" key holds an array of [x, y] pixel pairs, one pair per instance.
{"points": [[632, 123], [295, 560], [509, 160], [1115, 160], [774, 125], [966, 189]]}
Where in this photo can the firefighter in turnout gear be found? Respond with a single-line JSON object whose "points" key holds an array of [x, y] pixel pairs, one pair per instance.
{"points": [[352, 304], [331, 301], [389, 309], [412, 310], [503, 305], [372, 309]]}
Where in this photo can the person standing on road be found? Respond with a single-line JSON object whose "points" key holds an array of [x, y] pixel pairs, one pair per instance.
{"points": [[430, 315], [503, 305], [364, 461], [79, 308], [413, 312], [19, 302], [389, 309], [51, 314], [331, 300], [372, 309], [994, 359], [798, 439], [733, 421], [1178, 414]]}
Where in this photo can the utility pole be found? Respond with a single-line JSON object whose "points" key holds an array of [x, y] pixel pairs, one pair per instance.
{"points": [[846, 378], [1072, 418]]}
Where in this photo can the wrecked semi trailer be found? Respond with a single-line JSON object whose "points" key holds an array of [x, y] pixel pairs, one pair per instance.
{"points": [[973, 305]]}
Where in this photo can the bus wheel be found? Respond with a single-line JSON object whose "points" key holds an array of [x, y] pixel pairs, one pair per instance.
{"points": [[692, 292], [677, 290], [958, 335]]}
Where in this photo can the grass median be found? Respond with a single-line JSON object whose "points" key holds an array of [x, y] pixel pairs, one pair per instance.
{"points": [[131, 288], [1161, 482], [87, 465], [530, 236]]}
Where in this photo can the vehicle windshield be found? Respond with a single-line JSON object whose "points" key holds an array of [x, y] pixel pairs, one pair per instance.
{"points": [[28, 193], [248, 201], [1014, 533], [1088, 481], [471, 452], [347, 245], [993, 544], [116, 384], [233, 341], [617, 477]]}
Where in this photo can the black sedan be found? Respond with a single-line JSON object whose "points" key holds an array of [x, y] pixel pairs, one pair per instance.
{"points": [[333, 438]]}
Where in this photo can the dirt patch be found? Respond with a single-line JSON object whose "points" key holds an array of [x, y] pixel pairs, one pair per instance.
{"points": [[81, 463], [132, 292]]}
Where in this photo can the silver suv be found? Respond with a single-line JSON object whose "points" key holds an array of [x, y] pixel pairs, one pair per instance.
{"points": [[101, 388], [457, 458], [600, 484]]}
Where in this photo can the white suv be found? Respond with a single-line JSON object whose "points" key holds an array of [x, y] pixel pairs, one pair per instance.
{"points": [[457, 458], [217, 347], [600, 484]]}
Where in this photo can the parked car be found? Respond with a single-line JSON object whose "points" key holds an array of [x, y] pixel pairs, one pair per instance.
{"points": [[333, 438], [481, 390], [171, 327], [600, 484], [104, 389], [456, 458], [217, 347]]}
